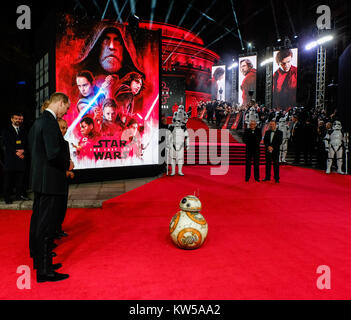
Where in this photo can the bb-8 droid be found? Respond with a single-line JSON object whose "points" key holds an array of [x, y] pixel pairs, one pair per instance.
{"points": [[188, 228]]}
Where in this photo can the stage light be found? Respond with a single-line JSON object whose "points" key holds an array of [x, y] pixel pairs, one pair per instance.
{"points": [[295, 36], [21, 83], [249, 45], [264, 62], [234, 65], [318, 42], [278, 40]]}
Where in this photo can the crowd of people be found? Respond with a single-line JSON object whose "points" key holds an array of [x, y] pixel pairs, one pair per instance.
{"points": [[304, 129]]}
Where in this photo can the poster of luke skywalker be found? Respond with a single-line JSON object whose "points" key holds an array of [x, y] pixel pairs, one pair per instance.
{"points": [[284, 78], [112, 80], [247, 79]]}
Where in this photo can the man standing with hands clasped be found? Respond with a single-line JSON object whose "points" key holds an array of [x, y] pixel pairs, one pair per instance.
{"points": [[49, 183], [252, 138], [272, 140]]}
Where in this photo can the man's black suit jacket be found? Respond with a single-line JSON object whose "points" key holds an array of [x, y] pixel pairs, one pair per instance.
{"points": [[277, 140], [49, 163], [252, 140], [13, 142]]}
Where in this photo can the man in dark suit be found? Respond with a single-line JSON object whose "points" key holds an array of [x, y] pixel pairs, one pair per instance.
{"points": [[252, 138], [15, 156], [296, 137], [273, 138], [49, 184]]}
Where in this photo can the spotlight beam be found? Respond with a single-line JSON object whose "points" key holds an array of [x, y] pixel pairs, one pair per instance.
{"points": [[169, 11], [275, 20], [237, 24], [132, 6], [97, 6], [185, 13], [105, 10], [194, 25], [290, 19], [153, 6], [214, 41], [115, 4], [125, 4]]}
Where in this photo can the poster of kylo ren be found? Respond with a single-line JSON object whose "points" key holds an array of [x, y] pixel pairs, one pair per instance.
{"points": [[111, 75]]}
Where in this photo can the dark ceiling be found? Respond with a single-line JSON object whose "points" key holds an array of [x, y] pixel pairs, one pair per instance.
{"points": [[213, 20]]}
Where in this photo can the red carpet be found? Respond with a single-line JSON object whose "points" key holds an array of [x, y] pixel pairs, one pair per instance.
{"points": [[265, 241]]}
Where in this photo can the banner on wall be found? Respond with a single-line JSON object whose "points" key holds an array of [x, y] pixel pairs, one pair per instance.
{"points": [[284, 78], [247, 79], [218, 83], [112, 80], [173, 93]]}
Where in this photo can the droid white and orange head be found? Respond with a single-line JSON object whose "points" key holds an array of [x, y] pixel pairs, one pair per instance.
{"points": [[190, 203]]}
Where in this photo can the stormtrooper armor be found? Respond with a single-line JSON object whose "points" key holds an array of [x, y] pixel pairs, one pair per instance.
{"points": [[284, 127], [252, 115], [334, 140], [177, 139]]}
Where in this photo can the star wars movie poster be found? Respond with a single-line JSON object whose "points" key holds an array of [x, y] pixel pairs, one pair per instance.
{"points": [[284, 78], [218, 82], [111, 76], [247, 79]]}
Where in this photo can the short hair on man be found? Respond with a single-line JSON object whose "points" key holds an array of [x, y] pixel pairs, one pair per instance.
{"points": [[248, 62], [16, 113], [87, 120], [86, 74], [282, 54], [109, 103]]}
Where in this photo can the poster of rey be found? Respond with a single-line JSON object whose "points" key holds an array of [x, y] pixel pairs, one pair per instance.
{"points": [[111, 76]]}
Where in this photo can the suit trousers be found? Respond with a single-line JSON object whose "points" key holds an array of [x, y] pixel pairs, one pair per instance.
{"points": [[62, 214], [255, 156], [272, 157], [43, 225], [13, 178]]}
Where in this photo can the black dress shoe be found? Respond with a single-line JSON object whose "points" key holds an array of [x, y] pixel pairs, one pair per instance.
{"points": [[247, 180], [51, 276], [53, 246], [257, 180], [266, 180], [53, 254], [276, 181]]}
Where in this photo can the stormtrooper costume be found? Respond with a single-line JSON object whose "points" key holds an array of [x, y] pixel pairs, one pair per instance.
{"points": [[334, 140], [284, 127], [177, 139], [252, 115]]}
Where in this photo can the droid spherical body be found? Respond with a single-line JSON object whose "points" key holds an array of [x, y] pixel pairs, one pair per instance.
{"points": [[188, 228]]}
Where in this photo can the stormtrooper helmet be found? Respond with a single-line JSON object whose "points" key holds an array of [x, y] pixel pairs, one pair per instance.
{"points": [[282, 120], [337, 125], [190, 203]]}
